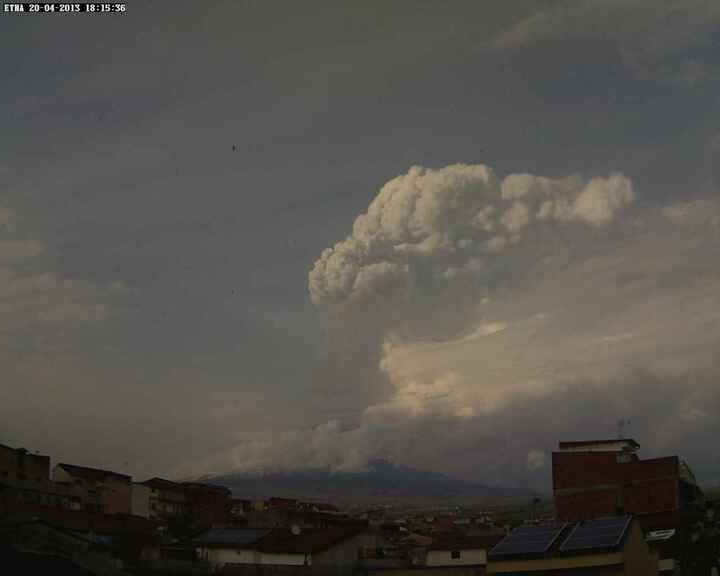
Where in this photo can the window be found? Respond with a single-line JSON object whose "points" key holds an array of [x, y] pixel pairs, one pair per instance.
{"points": [[455, 554]]}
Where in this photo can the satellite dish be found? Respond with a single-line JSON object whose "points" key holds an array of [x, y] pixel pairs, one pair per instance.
{"points": [[295, 529]]}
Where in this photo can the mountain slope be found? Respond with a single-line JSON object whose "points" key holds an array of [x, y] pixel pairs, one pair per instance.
{"points": [[382, 482]]}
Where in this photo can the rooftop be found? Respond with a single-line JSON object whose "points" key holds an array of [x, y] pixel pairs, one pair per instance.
{"points": [[81, 521], [463, 542], [283, 541], [569, 539], [230, 537], [23, 451], [201, 486], [92, 474], [628, 444], [162, 484]]}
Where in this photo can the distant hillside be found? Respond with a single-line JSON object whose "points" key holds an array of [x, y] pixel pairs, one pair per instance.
{"points": [[383, 482]]}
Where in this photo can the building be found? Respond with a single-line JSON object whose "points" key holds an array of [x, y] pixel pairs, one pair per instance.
{"points": [[168, 500], [221, 546], [461, 550], [319, 507], [240, 509], [275, 503], [208, 505], [386, 559], [627, 445], [613, 546], [443, 524], [15, 493], [100, 490], [130, 537], [304, 516], [665, 545], [605, 477], [17, 464], [35, 548], [324, 551], [140, 500]]}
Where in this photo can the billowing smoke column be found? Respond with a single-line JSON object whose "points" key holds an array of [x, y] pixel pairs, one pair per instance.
{"points": [[566, 309], [455, 222]]}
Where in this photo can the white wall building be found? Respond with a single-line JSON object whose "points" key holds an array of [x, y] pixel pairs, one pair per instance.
{"points": [[461, 550]]}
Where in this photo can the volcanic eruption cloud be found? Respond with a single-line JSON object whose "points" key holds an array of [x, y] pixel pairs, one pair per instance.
{"points": [[508, 313], [456, 221]]}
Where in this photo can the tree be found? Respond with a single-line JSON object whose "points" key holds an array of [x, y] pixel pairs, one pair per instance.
{"points": [[700, 551]]}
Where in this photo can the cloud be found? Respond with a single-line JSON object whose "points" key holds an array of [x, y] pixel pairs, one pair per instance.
{"points": [[487, 329], [34, 298], [19, 251], [656, 26], [655, 38], [455, 223], [586, 304], [535, 460]]}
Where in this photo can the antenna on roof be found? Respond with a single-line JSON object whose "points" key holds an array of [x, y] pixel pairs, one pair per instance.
{"points": [[621, 428]]}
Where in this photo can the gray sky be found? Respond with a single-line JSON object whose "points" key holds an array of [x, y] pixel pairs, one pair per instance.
{"points": [[159, 313]]}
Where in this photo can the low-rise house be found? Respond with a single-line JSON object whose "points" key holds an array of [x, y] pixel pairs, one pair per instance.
{"points": [[417, 540], [34, 547], [275, 503], [303, 517], [321, 507], [101, 490], [443, 524], [221, 546], [611, 546], [384, 559], [129, 537], [464, 521], [460, 550], [325, 551]]}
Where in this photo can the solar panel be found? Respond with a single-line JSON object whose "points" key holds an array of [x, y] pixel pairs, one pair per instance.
{"points": [[528, 540], [600, 533]]}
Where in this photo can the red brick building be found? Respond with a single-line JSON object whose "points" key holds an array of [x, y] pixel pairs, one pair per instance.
{"points": [[209, 505], [605, 477]]}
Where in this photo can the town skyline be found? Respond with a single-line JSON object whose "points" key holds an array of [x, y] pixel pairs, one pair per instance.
{"points": [[288, 236]]}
